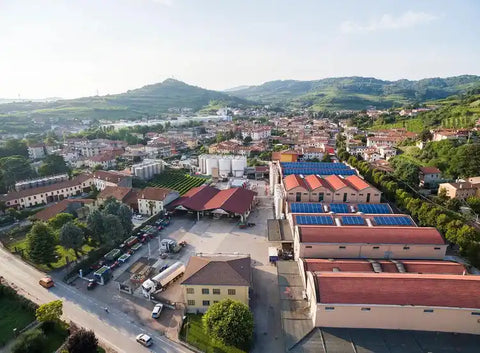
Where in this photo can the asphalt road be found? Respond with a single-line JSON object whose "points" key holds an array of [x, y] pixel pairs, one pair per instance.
{"points": [[114, 328]]}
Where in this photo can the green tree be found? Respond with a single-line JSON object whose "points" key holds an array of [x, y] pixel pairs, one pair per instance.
{"points": [[229, 322], [53, 164], [326, 157], [111, 206], [425, 135], [114, 232], [32, 341], [125, 215], [14, 147], [247, 140], [13, 169], [453, 204], [474, 203], [82, 341], [50, 312], [71, 237], [41, 244], [95, 225], [59, 220]]}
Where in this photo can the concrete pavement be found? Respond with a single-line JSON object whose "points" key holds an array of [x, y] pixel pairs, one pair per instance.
{"points": [[114, 328]]}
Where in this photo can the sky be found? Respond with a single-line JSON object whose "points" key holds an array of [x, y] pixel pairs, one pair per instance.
{"points": [[75, 48]]}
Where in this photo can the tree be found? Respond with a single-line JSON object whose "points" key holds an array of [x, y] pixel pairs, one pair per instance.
{"points": [[425, 135], [114, 232], [229, 322], [32, 341], [111, 206], [474, 203], [59, 220], [82, 341], [247, 140], [95, 224], [125, 215], [41, 244], [15, 168], [71, 237], [326, 157], [13, 147], [53, 164], [453, 204], [50, 312]]}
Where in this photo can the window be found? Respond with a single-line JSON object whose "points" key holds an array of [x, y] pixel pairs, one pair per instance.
{"points": [[232, 292], [342, 247], [328, 194], [329, 308], [476, 313], [308, 247], [436, 248], [216, 290], [368, 197], [345, 197], [29, 198], [365, 309], [337, 194], [305, 193], [191, 302], [360, 194], [321, 196], [190, 290], [206, 302], [428, 311], [205, 291], [215, 301], [376, 247], [314, 193], [298, 197], [406, 248]]}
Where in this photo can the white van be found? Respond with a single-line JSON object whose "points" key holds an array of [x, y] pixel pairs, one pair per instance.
{"points": [[157, 310]]}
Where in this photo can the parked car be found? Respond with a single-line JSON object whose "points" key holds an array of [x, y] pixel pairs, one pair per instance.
{"points": [[157, 310], [144, 340], [114, 265], [46, 282], [91, 284], [138, 216]]}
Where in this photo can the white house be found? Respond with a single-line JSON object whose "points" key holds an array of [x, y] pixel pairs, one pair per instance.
{"points": [[153, 200]]}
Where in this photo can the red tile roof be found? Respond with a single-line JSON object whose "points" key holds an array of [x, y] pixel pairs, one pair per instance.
{"points": [[109, 176], [371, 235], [154, 193], [236, 200], [430, 170], [117, 192], [398, 289], [322, 265], [336, 183], [356, 182], [314, 182], [60, 207], [293, 181]]}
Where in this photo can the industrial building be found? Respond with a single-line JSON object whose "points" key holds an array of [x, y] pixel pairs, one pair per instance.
{"points": [[147, 169], [222, 166]]}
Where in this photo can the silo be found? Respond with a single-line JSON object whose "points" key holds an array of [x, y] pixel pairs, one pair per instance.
{"points": [[224, 167], [202, 163], [149, 171], [139, 172], [210, 164], [238, 166]]}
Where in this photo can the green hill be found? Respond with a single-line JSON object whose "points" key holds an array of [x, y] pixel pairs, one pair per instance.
{"points": [[149, 100], [355, 93]]}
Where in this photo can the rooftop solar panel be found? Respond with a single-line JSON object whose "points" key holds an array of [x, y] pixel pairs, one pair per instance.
{"points": [[299, 207], [353, 220], [373, 208], [392, 221], [312, 220], [339, 208]]}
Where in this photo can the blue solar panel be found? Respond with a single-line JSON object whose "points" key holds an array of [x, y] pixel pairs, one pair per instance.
{"points": [[353, 220], [310, 220], [309, 171], [373, 208], [298, 207], [392, 221], [339, 208]]}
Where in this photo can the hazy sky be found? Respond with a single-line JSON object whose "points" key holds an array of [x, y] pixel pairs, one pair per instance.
{"points": [[73, 48]]}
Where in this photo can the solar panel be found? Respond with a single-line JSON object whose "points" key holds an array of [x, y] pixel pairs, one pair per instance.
{"points": [[299, 207], [353, 220], [312, 220], [373, 208], [339, 208], [392, 221]]}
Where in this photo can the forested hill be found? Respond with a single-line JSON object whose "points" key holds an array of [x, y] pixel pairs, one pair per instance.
{"points": [[148, 100], [356, 93]]}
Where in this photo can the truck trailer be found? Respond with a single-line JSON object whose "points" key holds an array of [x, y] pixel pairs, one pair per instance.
{"points": [[163, 279]]}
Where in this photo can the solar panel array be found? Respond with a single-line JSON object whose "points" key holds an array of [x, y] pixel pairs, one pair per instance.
{"points": [[321, 168], [339, 208], [353, 220], [373, 208], [298, 207], [319, 165], [392, 221], [314, 220]]}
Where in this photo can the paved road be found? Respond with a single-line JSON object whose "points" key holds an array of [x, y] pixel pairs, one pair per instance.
{"points": [[114, 328]]}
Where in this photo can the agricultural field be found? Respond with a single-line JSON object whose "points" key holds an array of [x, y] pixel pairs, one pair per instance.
{"points": [[177, 180]]}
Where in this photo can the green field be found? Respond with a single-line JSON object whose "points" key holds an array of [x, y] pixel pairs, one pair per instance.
{"points": [[13, 315], [413, 125], [177, 180], [193, 331]]}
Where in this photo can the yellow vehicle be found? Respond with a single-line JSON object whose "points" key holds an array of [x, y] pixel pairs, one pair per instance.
{"points": [[46, 282]]}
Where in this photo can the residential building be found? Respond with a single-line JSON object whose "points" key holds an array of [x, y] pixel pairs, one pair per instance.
{"points": [[36, 151], [80, 208], [102, 179], [35, 183], [211, 278], [258, 133], [152, 200], [429, 176], [459, 190]]}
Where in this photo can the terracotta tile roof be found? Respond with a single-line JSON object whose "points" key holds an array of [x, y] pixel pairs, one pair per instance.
{"points": [[236, 200], [76, 181], [440, 267], [60, 207], [322, 265], [153, 193], [357, 183], [218, 270], [293, 181], [314, 182], [336, 183], [398, 289], [117, 192], [430, 170], [370, 235], [195, 198]]}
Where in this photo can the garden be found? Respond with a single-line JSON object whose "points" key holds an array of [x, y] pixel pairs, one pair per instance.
{"points": [[178, 180]]}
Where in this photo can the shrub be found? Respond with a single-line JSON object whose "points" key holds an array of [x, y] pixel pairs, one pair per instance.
{"points": [[30, 342]]}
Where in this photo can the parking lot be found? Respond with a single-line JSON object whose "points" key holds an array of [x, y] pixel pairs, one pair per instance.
{"points": [[208, 235]]}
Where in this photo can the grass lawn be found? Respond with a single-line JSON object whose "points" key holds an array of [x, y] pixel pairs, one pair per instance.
{"points": [[12, 315], [196, 337], [62, 253]]}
